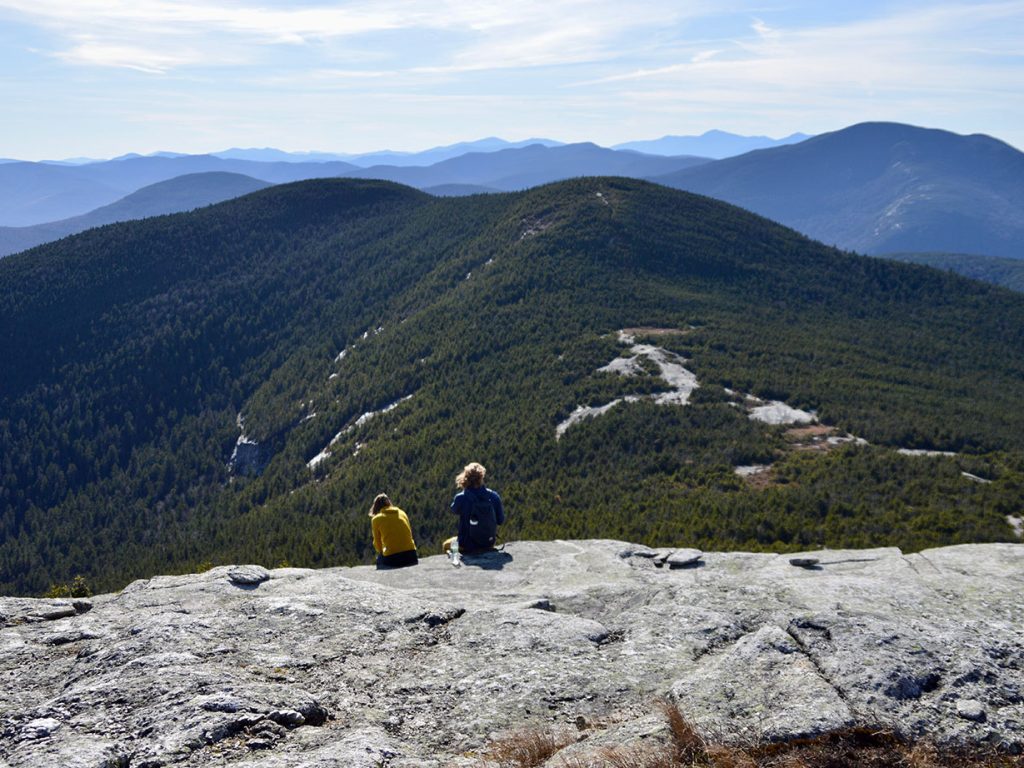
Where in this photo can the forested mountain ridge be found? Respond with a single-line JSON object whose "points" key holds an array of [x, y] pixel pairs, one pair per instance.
{"points": [[880, 187], [304, 311]]}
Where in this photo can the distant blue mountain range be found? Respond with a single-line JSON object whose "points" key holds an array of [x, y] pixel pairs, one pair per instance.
{"points": [[874, 187], [426, 157], [37, 193], [380, 157], [713, 144]]}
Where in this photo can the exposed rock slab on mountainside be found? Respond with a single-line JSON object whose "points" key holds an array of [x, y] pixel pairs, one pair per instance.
{"points": [[350, 666]]}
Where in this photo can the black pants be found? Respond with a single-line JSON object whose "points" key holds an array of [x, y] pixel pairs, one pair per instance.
{"points": [[397, 560]]}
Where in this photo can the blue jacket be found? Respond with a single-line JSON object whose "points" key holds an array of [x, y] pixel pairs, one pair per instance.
{"points": [[462, 505]]}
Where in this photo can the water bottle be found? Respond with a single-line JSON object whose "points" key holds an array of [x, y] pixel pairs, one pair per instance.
{"points": [[455, 553]]}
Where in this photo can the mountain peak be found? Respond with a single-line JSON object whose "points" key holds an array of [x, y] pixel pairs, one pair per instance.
{"points": [[879, 186]]}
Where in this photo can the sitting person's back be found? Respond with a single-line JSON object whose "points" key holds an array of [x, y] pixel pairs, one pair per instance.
{"points": [[479, 509]]}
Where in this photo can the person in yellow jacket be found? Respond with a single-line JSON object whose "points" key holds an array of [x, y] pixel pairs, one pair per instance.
{"points": [[392, 535]]}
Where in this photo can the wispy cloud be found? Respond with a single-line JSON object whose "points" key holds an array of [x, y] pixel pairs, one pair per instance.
{"points": [[130, 57], [704, 56], [763, 30], [933, 48], [490, 33], [183, 18], [359, 74]]}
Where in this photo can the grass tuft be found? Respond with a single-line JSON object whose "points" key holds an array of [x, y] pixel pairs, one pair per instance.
{"points": [[525, 749], [688, 746]]}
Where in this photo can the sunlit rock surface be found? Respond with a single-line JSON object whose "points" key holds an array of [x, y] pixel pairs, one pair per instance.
{"points": [[423, 666]]}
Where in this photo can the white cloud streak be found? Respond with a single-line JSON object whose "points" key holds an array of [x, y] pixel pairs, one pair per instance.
{"points": [[924, 50], [493, 34], [169, 16], [93, 53], [355, 70]]}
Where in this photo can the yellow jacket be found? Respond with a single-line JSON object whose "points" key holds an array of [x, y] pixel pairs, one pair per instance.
{"points": [[391, 532]]}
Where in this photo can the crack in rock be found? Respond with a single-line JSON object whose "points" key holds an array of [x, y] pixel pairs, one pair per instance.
{"points": [[767, 682]]}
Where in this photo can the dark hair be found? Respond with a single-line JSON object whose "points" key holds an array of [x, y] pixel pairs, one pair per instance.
{"points": [[379, 503]]}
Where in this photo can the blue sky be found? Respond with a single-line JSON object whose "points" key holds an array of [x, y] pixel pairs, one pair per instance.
{"points": [[103, 77]]}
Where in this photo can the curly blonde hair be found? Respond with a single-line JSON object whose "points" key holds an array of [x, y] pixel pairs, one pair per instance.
{"points": [[472, 476], [380, 502]]}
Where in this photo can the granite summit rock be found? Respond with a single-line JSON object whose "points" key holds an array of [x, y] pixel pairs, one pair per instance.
{"points": [[423, 666]]}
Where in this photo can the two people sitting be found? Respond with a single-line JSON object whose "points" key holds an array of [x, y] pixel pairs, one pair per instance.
{"points": [[479, 510]]}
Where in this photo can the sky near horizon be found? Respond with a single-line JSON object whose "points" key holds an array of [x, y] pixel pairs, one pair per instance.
{"points": [[99, 78]]}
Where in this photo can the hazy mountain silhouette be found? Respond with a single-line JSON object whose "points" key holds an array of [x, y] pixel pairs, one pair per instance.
{"points": [[881, 187], [715, 144], [182, 193], [33, 193], [383, 157], [439, 154], [521, 168], [37, 193], [272, 155]]}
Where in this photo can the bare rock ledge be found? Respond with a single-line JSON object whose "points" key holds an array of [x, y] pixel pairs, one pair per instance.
{"points": [[423, 666]]}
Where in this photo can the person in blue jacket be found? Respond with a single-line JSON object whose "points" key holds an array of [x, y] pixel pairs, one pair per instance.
{"points": [[479, 510]]}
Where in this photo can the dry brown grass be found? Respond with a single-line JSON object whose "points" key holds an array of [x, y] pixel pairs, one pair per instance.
{"points": [[762, 481], [853, 748], [686, 748], [525, 749], [638, 757], [687, 745], [864, 748]]}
